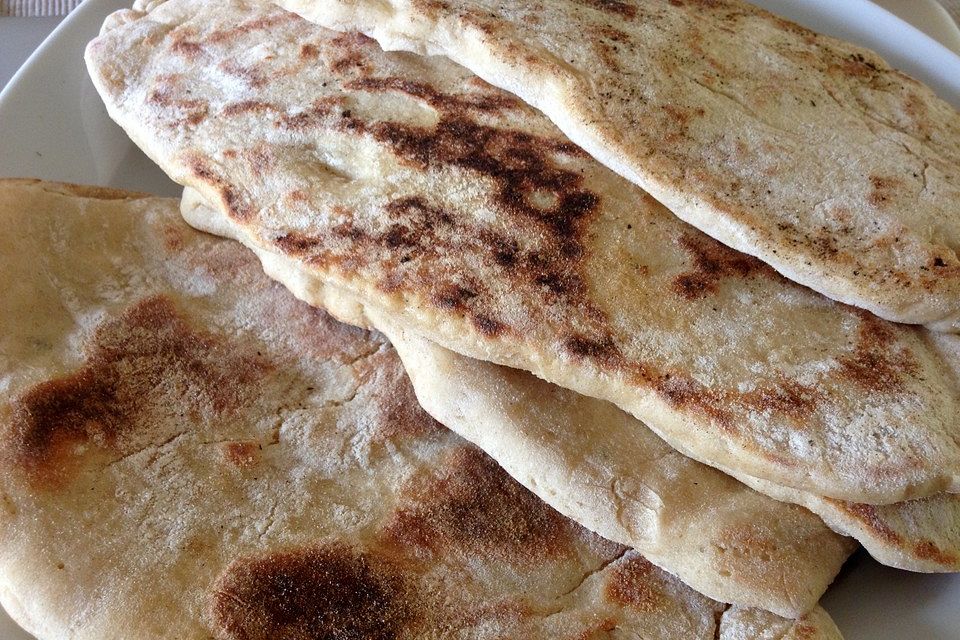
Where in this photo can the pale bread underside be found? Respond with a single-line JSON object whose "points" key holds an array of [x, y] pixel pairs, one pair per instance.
{"points": [[189, 451], [810, 153], [424, 192]]}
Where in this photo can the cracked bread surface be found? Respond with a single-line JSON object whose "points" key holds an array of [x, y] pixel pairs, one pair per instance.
{"points": [[597, 465], [180, 434]]}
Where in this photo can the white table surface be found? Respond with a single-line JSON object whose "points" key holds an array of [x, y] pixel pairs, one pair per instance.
{"points": [[18, 38]]}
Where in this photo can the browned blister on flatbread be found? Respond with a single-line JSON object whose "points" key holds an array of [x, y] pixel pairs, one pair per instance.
{"points": [[810, 153], [419, 190], [188, 451], [102, 403]]}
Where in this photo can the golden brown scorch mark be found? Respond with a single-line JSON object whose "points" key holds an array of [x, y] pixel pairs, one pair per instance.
{"points": [[242, 454], [325, 591], [686, 393], [143, 368], [922, 548], [249, 106], [350, 49], [252, 75], [787, 397], [487, 99], [619, 8], [712, 262], [633, 582], [183, 41], [884, 189], [187, 48], [875, 363], [234, 202], [703, 4], [470, 506], [260, 159], [264, 23], [856, 65], [189, 111]]}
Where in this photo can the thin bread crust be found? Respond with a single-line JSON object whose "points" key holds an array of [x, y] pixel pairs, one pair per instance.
{"points": [[810, 153]]}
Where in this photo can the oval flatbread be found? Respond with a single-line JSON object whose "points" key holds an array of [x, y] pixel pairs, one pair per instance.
{"points": [[810, 153]]}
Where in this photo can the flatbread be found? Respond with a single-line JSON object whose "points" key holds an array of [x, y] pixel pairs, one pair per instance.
{"points": [[189, 451], [810, 153], [917, 535], [602, 468], [597, 465], [416, 188]]}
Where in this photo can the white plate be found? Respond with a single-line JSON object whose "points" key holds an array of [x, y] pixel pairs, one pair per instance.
{"points": [[53, 126]]}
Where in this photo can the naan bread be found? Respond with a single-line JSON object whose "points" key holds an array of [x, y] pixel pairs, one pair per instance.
{"points": [[602, 468], [595, 464], [416, 188], [190, 452], [810, 153]]}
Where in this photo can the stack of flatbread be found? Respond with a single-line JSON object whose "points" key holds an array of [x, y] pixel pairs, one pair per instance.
{"points": [[190, 451], [652, 323]]}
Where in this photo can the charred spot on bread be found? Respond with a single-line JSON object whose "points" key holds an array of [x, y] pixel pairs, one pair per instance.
{"points": [[324, 591], [120, 394]]}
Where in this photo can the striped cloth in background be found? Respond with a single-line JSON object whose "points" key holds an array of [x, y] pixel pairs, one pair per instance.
{"points": [[38, 8]]}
